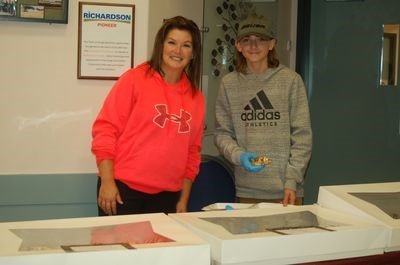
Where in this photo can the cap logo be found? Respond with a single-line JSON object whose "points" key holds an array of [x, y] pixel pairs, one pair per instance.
{"points": [[253, 26]]}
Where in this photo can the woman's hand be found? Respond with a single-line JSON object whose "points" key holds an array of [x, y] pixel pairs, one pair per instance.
{"points": [[108, 192], [109, 197], [181, 206]]}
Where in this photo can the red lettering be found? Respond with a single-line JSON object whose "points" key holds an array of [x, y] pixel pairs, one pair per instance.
{"points": [[107, 25]]}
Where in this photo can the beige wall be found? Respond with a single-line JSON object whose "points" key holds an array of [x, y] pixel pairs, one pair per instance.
{"points": [[287, 31], [159, 10], [46, 113]]}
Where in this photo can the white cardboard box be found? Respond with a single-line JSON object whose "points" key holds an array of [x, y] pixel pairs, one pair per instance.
{"points": [[340, 198], [339, 235], [38, 242]]}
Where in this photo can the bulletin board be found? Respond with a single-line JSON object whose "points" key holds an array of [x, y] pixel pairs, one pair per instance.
{"points": [[46, 11]]}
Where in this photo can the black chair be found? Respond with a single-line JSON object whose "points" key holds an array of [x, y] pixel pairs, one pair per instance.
{"points": [[214, 183]]}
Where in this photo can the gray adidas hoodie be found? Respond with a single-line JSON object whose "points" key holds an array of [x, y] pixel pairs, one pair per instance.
{"points": [[268, 114]]}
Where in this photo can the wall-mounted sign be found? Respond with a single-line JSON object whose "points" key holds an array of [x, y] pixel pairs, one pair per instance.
{"points": [[106, 40]]}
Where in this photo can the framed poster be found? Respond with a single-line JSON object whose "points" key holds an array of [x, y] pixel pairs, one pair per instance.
{"points": [[105, 40], [47, 11]]}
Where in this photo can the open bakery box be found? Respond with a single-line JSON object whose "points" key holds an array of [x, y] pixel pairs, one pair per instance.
{"points": [[283, 235], [127, 239], [378, 203]]}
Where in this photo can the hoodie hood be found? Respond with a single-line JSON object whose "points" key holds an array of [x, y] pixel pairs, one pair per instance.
{"points": [[268, 73], [182, 87]]}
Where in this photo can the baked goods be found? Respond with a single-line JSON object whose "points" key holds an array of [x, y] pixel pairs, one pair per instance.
{"points": [[261, 160]]}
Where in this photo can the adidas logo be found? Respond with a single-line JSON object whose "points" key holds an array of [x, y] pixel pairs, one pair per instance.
{"points": [[257, 109], [256, 104]]}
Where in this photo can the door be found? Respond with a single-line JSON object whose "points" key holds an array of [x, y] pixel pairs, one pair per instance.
{"points": [[221, 18]]}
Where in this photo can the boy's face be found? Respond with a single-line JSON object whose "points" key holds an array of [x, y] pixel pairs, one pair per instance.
{"points": [[254, 48]]}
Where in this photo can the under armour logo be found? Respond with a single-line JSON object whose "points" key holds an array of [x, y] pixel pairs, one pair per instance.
{"points": [[163, 116]]}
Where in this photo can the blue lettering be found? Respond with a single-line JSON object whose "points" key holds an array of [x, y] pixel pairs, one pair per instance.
{"points": [[102, 16]]}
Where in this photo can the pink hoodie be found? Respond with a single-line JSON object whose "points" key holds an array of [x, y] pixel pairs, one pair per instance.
{"points": [[151, 130]]}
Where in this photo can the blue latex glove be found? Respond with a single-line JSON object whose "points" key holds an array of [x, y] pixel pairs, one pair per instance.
{"points": [[245, 160], [228, 207]]}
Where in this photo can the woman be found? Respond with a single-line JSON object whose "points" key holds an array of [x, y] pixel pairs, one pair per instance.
{"points": [[147, 136]]}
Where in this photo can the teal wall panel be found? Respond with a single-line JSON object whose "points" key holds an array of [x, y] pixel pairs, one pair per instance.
{"points": [[355, 121], [36, 197]]}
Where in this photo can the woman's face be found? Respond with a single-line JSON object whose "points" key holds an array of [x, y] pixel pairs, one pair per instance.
{"points": [[177, 50]]}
